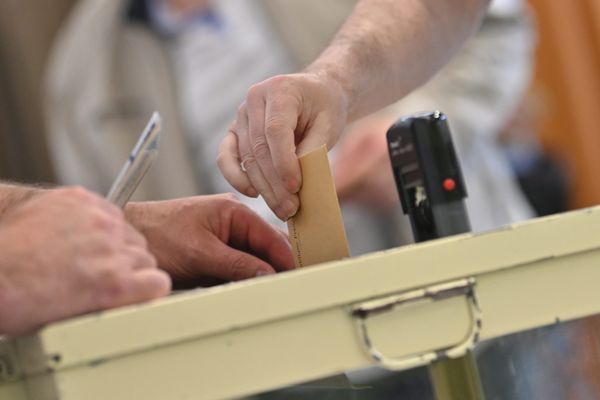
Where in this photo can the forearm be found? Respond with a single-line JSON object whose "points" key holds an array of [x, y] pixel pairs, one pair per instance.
{"points": [[385, 50], [12, 195]]}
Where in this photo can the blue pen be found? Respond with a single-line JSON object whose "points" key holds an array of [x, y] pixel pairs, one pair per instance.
{"points": [[136, 166]]}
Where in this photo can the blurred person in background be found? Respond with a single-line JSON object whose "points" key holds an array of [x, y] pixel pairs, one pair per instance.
{"points": [[194, 60], [479, 90], [541, 176]]}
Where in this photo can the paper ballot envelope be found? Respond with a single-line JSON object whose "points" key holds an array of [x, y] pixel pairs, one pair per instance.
{"points": [[317, 230]]}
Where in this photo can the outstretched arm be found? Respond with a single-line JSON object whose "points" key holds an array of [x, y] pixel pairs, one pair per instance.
{"points": [[385, 49]]}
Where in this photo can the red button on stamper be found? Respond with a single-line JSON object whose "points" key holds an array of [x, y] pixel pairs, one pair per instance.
{"points": [[449, 184]]}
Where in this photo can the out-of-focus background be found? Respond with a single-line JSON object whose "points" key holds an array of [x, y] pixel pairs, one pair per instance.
{"points": [[76, 87], [27, 30], [567, 83], [565, 92]]}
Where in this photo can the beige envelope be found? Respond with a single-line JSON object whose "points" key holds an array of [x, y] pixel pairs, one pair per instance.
{"points": [[317, 230]]}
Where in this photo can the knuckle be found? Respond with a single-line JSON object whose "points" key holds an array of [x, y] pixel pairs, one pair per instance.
{"points": [[227, 201], [279, 82], [241, 111], [78, 192], [274, 127], [254, 91], [230, 198], [278, 102], [103, 244], [240, 209], [103, 222], [260, 148]]}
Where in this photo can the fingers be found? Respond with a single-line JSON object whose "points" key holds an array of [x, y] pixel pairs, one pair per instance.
{"points": [[229, 163], [238, 265], [280, 124], [129, 273], [255, 155], [283, 202], [250, 232], [148, 284], [132, 277], [283, 117], [80, 256], [233, 265], [247, 157], [265, 129], [116, 289]]}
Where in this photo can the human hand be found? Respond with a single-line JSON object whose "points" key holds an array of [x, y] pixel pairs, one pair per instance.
{"points": [[209, 239], [67, 252], [282, 118], [362, 171]]}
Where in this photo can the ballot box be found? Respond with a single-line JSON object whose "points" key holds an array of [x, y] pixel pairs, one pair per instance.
{"points": [[394, 310]]}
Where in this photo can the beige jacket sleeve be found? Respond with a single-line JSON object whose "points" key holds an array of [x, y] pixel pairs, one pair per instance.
{"points": [[104, 80]]}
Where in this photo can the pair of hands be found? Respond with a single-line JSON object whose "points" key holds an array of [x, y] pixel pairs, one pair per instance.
{"points": [[287, 116], [67, 251]]}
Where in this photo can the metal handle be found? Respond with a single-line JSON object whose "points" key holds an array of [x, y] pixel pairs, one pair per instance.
{"points": [[463, 287]]}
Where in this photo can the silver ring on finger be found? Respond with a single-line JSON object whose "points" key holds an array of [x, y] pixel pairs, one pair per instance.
{"points": [[243, 164]]}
